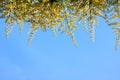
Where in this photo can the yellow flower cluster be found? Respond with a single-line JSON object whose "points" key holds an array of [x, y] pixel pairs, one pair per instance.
{"points": [[60, 15]]}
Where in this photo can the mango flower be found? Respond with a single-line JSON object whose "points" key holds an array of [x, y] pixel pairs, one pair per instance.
{"points": [[61, 15]]}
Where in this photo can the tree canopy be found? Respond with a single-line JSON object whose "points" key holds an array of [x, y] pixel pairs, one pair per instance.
{"points": [[61, 15]]}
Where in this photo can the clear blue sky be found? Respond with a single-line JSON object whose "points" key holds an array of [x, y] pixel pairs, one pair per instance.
{"points": [[49, 58]]}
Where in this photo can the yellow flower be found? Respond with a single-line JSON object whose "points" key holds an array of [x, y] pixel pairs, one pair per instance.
{"points": [[45, 1], [10, 6], [97, 1]]}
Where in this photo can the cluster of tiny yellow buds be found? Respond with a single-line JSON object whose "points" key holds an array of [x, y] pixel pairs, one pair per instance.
{"points": [[59, 14]]}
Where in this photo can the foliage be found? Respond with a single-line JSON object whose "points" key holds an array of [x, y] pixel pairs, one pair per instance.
{"points": [[61, 15]]}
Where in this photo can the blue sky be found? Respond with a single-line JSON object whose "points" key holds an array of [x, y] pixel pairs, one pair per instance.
{"points": [[49, 58]]}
